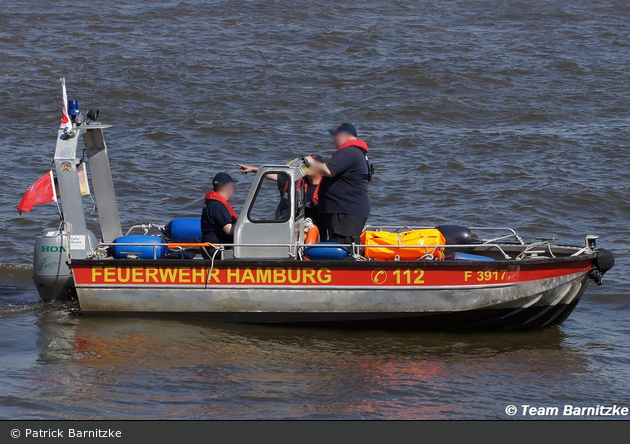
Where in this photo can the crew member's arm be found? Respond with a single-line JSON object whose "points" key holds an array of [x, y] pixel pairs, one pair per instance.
{"points": [[321, 168], [339, 163], [252, 169], [224, 219], [228, 229]]}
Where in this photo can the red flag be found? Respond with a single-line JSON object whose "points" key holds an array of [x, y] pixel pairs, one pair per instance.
{"points": [[41, 192]]}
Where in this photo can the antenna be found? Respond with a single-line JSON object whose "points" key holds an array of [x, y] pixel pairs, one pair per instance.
{"points": [[87, 93]]}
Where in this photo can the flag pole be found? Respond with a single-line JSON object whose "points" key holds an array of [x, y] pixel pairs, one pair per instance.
{"points": [[55, 197]]}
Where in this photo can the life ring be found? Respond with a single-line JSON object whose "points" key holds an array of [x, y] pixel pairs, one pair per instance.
{"points": [[312, 237]]}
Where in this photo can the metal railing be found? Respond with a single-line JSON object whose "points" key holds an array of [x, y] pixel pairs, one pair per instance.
{"points": [[513, 233], [296, 250], [293, 250], [144, 227]]}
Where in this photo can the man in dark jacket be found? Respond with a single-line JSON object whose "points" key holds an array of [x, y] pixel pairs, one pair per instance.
{"points": [[344, 200], [218, 216]]}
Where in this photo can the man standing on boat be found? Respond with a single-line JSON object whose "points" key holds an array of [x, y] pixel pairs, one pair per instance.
{"points": [[344, 201], [310, 182], [218, 216]]}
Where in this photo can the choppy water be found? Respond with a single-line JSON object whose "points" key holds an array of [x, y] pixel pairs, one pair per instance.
{"points": [[477, 112]]}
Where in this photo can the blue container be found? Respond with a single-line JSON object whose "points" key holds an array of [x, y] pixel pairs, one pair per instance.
{"points": [[184, 229], [144, 251], [458, 256], [73, 107], [333, 252]]}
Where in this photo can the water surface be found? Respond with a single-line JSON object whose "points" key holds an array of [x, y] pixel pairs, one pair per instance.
{"points": [[484, 113]]}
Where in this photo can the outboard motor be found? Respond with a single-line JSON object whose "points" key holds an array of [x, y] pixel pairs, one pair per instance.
{"points": [[51, 272], [50, 267]]}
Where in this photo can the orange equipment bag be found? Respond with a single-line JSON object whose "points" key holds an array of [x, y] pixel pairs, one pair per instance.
{"points": [[386, 241]]}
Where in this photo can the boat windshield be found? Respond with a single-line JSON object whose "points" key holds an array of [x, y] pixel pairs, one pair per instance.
{"points": [[272, 200]]}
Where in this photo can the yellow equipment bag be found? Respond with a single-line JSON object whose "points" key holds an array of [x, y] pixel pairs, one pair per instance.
{"points": [[386, 241]]}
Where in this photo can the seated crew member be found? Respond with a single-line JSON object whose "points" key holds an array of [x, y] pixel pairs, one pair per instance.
{"points": [[311, 183], [344, 201], [218, 216]]}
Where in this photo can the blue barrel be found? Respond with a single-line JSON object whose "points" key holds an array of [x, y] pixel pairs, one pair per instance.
{"points": [[459, 256], [333, 252], [144, 249], [184, 229]]}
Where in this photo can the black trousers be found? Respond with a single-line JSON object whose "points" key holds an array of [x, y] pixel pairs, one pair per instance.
{"points": [[344, 228]]}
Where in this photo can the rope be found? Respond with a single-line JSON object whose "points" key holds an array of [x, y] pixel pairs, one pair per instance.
{"points": [[530, 247], [209, 278]]}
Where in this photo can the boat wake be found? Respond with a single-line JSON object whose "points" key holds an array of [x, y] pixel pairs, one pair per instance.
{"points": [[17, 275], [16, 290], [15, 300], [19, 300]]}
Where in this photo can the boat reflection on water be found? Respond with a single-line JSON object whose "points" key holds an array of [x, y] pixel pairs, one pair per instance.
{"points": [[160, 368]]}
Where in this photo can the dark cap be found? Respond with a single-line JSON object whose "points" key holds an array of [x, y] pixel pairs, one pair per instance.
{"points": [[344, 128], [318, 158], [222, 179]]}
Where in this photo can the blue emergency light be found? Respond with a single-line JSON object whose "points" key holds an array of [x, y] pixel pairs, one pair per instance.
{"points": [[73, 107]]}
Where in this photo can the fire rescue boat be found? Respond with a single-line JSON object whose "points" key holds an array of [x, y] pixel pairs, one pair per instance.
{"points": [[447, 277]]}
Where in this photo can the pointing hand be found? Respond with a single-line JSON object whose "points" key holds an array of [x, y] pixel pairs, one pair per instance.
{"points": [[247, 168]]}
